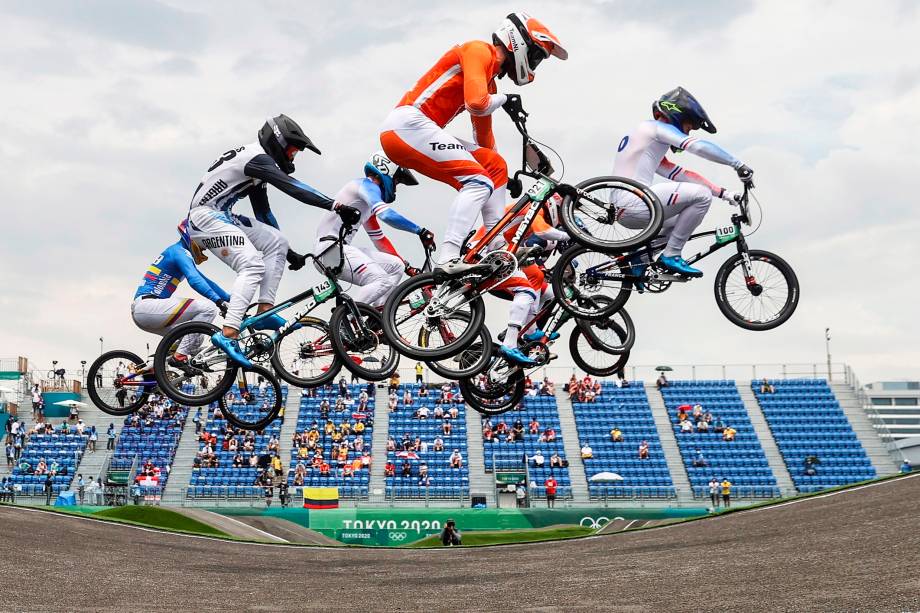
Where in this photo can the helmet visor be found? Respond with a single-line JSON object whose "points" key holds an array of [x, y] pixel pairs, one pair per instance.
{"points": [[535, 55], [405, 176]]}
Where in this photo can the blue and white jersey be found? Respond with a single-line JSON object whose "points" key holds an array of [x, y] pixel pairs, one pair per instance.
{"points": [[169, 269], [245, 171], [640, 153], [364, 195]]}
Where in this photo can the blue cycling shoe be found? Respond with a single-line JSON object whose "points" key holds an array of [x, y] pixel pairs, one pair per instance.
{"points": [[231, 347], [515, 356], [637, 269], [538, 335], [675, 263]]}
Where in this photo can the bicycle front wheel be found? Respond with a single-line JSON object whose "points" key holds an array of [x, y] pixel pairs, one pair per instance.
{"points": [[589, 284], [118, 382], [427, 320], [493, 398], [614, 335], [305, 356], [360, 342], [612, 214], [469, 362], [247, 406], [762, 299], [204, 377], [591, 357]]}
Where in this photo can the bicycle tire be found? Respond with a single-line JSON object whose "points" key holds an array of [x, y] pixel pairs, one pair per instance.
{"points": [[294, 379], [469, 362], [96, 397], [579, 301], [625, 330], [577, 229], [341, 333], [160, 369], [586, 364], [273, 411], [494, 406], [756, 255], [399, 299]]}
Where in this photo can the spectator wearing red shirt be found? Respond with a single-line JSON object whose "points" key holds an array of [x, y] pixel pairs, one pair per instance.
{"points": [[550, 484]]}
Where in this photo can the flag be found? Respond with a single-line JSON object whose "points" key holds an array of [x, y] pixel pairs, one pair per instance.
{"points": [[407, 455], [320, 497]]}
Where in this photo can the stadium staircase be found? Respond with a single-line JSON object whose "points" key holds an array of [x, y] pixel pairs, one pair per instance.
{"points": [[767, 442], [572, 445], [480, 481], [180, 473], [377, 485], [289, 426], [882, 460], [669, 443]]}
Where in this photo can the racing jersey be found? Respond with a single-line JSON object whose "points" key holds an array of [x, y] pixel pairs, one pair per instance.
{"points": [[464, 78], [168, 270], [641, 154], [245, 171], [365, 195]]}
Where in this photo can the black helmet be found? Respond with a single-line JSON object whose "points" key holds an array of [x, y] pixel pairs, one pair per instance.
{"points": [[282, 132], [679, 105]]}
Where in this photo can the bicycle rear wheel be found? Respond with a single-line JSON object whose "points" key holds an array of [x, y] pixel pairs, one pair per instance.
{"points": [[613, 214], [590, 284], [118, 382], [615, 335], [592, 358], [493, 398], [305, 356], [204, 377], [762, 300], [246, 407], [469, 362], [427, 320], [363, 349]]}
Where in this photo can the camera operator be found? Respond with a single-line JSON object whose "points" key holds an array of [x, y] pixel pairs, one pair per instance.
{"points": [[450, 536]]}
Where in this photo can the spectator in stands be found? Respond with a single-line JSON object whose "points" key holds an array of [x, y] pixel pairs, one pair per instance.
{"points": [[538, 459], [726, 492], [556, 461], [550, 484], [487, 435], [589, 395], [446, 427], [406, 469], [702, 426], [697, 413], [423, 392], [586, 452], [421, 412], [394, 383], [456, 460], [419, 372], [643, 450], [714, 492], [110, 437], [48, 489], [682, 412], [686, 427], [616, 435], [699, 460], [392, 402], [277, 466], [42, 467], [766, 387], [518, 430], [93, 437], [453, 412], [547, 388], [10, 453], [450, 536], [548, 436], [407, 397], [719, 426], [423, 469], [905, 467], [728, 434], [662, 381], [438, 444], [389, 469], [534, 426], [811, 462]]}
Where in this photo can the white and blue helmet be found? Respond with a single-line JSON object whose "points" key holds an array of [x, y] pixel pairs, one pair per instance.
{"points": [[389, 173]]}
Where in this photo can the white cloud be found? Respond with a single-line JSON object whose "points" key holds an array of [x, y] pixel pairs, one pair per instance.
{"points": [[111, 113]]}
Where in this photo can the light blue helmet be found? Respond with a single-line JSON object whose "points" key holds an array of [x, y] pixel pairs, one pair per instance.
{"points": [[389, 173]]}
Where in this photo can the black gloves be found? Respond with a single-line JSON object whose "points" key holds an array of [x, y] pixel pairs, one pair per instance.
{"points": [[222, 307], [295, 260], [513, 106], [427, 238], [349, 214], [745, 173]]}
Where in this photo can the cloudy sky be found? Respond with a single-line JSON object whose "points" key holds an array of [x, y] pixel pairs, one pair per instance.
{"points": [[113, 109]]}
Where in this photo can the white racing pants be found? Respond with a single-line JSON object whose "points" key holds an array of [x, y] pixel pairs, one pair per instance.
{"points": [[685, 206], [160, 315], [414, 141], [256, 251], [374, 273]]}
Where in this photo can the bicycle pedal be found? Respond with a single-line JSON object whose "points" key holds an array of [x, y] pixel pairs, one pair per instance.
{"points": [[671, 278]]}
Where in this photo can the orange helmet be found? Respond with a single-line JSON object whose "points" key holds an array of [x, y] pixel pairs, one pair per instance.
{"points": [[528, 43]]}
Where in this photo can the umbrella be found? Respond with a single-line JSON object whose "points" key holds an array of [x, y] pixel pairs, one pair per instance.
{"points": [[605, 476], [663, 368], [71, 403]]}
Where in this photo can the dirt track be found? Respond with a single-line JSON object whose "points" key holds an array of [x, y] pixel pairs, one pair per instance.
{"points": [[857, 550]]}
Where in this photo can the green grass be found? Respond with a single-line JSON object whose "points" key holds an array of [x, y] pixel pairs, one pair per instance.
{"points": [[157, 517], [504, 537]]}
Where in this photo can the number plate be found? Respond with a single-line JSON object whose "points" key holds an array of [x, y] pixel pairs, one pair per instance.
{"points": [[540, 190], [726, 234], [417, 299], [323, 291]]}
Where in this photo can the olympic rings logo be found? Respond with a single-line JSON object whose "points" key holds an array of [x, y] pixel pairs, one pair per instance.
{"points": [[600, 522], [397, 536]]}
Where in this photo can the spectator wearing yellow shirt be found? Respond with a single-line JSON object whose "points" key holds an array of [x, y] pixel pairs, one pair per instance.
{"points": [[329, 428], [359, 427], [419, 372], [729, 434], [726, 492], [616, 435], [277, 466]]}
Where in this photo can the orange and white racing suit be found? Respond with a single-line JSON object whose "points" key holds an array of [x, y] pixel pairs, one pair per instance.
{"points": [[413, 136], [528, 285]]}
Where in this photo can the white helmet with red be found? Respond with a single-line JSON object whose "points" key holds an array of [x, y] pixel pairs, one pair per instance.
{"points": [[528, 42]]}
